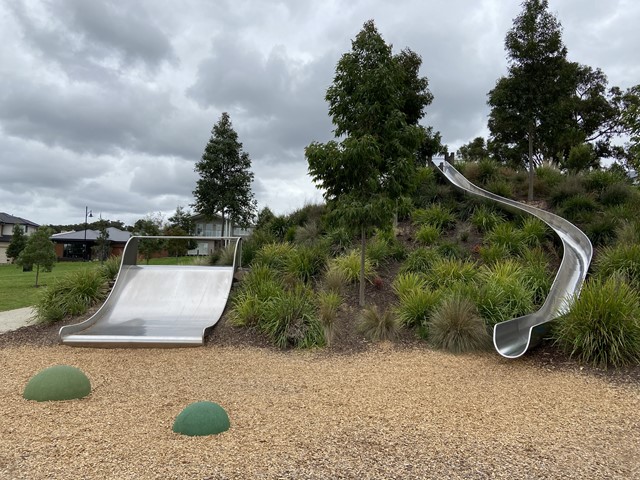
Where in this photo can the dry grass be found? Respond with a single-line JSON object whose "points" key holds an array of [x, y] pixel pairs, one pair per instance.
{"points": [[384, 413]]}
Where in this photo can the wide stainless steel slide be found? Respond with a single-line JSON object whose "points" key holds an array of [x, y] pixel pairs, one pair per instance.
{"points": [[514, 337], [157, 305]]}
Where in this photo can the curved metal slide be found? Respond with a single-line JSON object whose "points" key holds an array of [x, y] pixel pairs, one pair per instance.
{"points": [[514, 337], [157, 305]]}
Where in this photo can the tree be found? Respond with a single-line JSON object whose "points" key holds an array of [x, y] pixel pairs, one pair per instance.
{"points": [[17, 244], [375, 102], [150, 226], [224, 186], [528, 101], [181, 224], [101, 248], [474, 151], [39, 251]]}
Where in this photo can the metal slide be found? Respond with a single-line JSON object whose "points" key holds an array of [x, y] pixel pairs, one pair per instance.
{"points": [[156, 305], [514, 337]]}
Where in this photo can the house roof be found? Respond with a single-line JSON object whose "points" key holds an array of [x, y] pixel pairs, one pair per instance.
{"points": [[10, 219], [115, 235]]}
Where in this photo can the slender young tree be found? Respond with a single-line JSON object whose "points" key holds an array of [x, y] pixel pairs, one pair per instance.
{"points": [[224, 187], [17, 244], [39, 251], [375, 102]]}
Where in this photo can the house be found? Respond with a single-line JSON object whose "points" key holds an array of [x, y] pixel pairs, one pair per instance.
{"points": [[79, 245], [212, 227], [7, 222]]}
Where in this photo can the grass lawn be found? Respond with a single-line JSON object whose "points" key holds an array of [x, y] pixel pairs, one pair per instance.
{"points": [[17, 287]]}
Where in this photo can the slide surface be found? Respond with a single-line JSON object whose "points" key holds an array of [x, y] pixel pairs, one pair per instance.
{"points": [[155, 305], [514, 337]]}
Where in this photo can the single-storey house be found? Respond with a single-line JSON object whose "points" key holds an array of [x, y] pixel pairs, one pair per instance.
{"points": [[206, 226], [7, 222], [79, 245]]}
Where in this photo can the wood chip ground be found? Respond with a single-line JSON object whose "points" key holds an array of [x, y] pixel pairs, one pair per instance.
{"points": [[384, 413]]}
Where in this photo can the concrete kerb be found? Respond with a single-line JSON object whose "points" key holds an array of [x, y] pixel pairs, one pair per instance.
{"points": [[14, 319]]}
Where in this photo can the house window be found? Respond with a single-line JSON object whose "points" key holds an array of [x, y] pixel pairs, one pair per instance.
{"points": [[73, 250]]}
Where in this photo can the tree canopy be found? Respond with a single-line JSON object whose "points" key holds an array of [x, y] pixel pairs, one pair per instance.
{"points": [[224, 186], [375, 102], [17, 244], [39, 251]]}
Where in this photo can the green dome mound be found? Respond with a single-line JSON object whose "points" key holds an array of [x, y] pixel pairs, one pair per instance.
{"points": [[61, 382], [201, 418]]}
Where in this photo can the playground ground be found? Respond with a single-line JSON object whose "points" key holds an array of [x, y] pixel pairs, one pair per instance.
{"points": [[381, 411]]}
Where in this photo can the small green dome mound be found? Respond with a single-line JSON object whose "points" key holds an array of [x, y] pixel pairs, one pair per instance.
{"points": [[201, 418], [60, 382]]}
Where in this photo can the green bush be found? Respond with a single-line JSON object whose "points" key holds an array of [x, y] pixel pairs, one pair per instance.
{"points": [[504, 293], [598, 180], [377, 326], [255, 242], [628, 232], [415, 307], [578, 208], [349, 264], [493, 253], [603, 325], [546, 179], [72, 295], [539, 276], [485, 218], [274, 255], [308, 234], [407, 283], [451, 250], [428, 234], [328, 304], [445, 273], [620, 260], [110, 268], [419, 260], [335, 280], [507, 235], [534, 231], [569, 187], [340, 240], [305, 262], [436, 215], [290, 319], [378, 251], [455, 326], [602, 230], [615, 194], [500, 187]]}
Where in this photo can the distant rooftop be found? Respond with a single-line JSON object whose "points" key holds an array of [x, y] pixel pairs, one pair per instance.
{"points": [[10, 219], [115, 235]]}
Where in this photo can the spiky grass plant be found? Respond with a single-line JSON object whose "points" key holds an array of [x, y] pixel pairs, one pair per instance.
{"points": [[538, 273], [599, 180], [455, 326], [340, 240], [508, 236], [416, 306], [505, 292], [335, 280], [603, 325], [620, 260], [500, 187], [378, 325], [485, 218], [226, 257], [111, 267], [570, 186], [534, 231], [445, 273], [546, 179], [602, 230], [407, 283], [628, 232], [436, 215], [72, 294], [248, 305], [428, 234], [615, 194], [419, 260], [328, 304], [349, 263], [305, 262], [290, 319], [493, 253], [274, 255], [578, 208], [378, 251]]}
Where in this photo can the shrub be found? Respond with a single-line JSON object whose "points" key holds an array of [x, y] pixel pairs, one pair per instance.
{"points": [[436, 215], [546, 179], [305, 262], [274, 255], [377, 326], [578, 207], [335, 280], [447, 272], [602, 230], [485, 218], [340, 240], [407, 283], [110, 268], [615, 194], [328, 304], [255, 242], [455, 326], [416, 306], [534, 231], [508, 236], [620, 260], [493, 253], [598, 180], [570, 187], [536, 269], [602, 327], [73, 294], [226, 257], [246, 309], [290, 319], [628, 232], [308, 234], [419, 260], [504, 293], [427, 234], [451, 250], [378, 251], [500, 187], [350, 266]]}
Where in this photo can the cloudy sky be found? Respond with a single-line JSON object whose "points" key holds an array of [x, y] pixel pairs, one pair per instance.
{"points": [[109, 103]]}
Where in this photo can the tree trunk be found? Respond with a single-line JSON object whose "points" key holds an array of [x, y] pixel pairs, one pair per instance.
{"points": [[530, 196], [363, 244]]}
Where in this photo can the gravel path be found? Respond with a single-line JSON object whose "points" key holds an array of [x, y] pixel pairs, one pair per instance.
{"points": [[382, 413]]}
